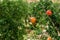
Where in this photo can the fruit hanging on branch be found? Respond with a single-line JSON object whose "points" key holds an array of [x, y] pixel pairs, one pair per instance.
{"points": [[49, 38], [49, 12], [33, 20]]}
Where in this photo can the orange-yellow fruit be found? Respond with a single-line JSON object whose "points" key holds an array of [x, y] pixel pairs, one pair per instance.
{"points": [[49, 38], [33, 20]]}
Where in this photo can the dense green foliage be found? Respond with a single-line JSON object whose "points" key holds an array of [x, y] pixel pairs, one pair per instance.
{"points": [[14, 18], [12, 14]]}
